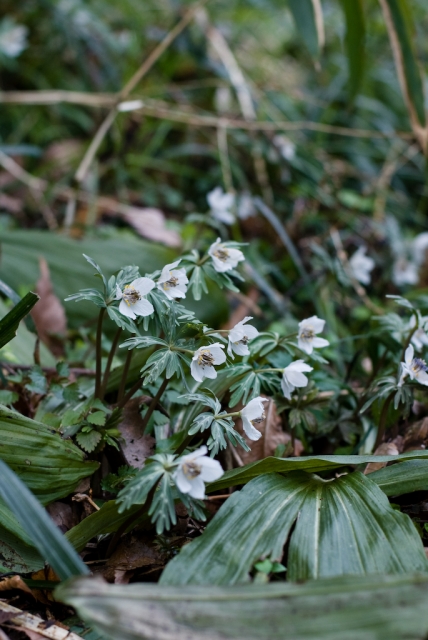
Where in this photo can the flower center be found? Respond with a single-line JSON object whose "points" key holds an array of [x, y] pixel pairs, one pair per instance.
{"points": [[172, 282], [244, 340], [222, 254], [205, 359], [259, 419], [191, 470], [130, 295], [418, 365], [307, 334]]}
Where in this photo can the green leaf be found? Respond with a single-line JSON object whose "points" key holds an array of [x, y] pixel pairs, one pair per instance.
{"points": [[9, 324], [197, 283], [88, 440], [98, 418], [374, 607], [310, 464], [49, 466], [332, 519], [8, 397], [45, 536], [404, 477], [354, 42], [398, 21], [309, 23], [122, 321]]}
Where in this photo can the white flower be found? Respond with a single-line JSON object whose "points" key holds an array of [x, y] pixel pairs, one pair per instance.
{"points": [[246, 207], [172, 281], [404, 272], [132, 301], [224, 258], [308, 329], [413, 367], [204, 359], [13, 38], [419, 248], [194, 469], [286, 148], [420, 336], [293, 377], [361, 265], [254, 412], [239, 337], [220, 204]]}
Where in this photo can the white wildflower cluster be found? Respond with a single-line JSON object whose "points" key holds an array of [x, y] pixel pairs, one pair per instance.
{"points": [[194, 470], [223, 206]]}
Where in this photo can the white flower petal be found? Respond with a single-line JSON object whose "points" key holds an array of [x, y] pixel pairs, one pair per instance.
{"points": [[305, 346], [314, 323], [251, 432], [126, 310], [118, 293], [196, 371], [250, 331], [409, 354], [217, 351], [197, 490], [143, 285], [240, 349], [299, 365], [143, 307], [211, 469], [296, 378], [181, 481], [422, 377], [320, 342], [287, 388], [237, 333], [254, 408]]}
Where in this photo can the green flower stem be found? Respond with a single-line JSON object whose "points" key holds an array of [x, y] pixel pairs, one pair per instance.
{"points": [[126, 366], [290, 335], [203, 260], [268, 370], [172, 348], [130, 393], [98, 353], [154, 404], [235, 414], [109, 361]]}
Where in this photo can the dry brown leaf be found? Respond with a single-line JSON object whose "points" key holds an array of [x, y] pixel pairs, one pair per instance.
{"points": [[132, 553], [150, 223], [416, 436], [49, 314], [272, 436], [384, 449], [248, 306], [34, 625], [14, 582], [14, 205], [136, 446], [62, 515]]}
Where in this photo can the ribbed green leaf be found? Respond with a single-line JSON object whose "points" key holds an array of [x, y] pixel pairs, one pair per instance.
{"points": [[50, 466], [354, 42], [343, 526], [45, 536], [398, 20], [405, 477], [310, 464], [9, 324], [305, 17], [348, 608]]}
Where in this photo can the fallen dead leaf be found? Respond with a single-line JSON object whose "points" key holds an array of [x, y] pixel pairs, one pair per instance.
{"points": [[416, 436], [384, 449], [132, 553], [150, 223], [272, 436], [49, 314], [62, 515], [136, 446], [14, 582], [34, 625]]}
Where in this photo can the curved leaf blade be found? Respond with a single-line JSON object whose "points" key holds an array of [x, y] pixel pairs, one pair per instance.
{"points": [[357, 607], [354, 42], [9, 324], [308, 17], [343, 526], [45, 536]]}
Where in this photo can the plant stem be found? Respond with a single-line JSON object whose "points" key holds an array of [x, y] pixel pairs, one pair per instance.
{"points": [[109, 361], [269, 370], [382, 420], [126, 366], [227, 415], [98, 353], [153, 404], [130, 393]]}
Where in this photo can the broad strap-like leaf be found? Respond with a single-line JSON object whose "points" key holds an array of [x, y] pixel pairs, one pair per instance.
{"points": [[397, 14], [375, 607], [50, 466], [309, 22], [405, 477], [354, 42], [9, 324], [45, 535], [342, 526], [310, 464]]}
